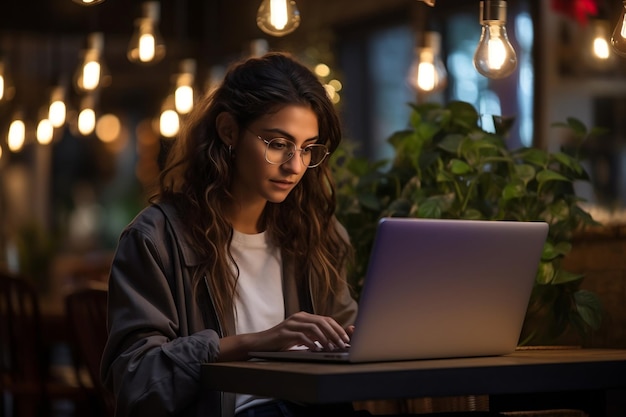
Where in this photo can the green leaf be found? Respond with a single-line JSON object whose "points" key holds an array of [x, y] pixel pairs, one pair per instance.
{"points": [[546, 175], [513, 190], [563, 248], [426, 131], [558, 211], [569, 162], [562, 277], [535, 156], [577, 126], [525, 172], [583, 216], [451, 143], [459, 167], [464, 114], [429, 209], [415, 118], [549, 252], [545, 273], [400, 137], [472, 214], [444, 176], [589, 308]]}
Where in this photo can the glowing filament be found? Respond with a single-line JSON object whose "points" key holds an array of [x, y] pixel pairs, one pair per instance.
{"points": [[278, 14]]}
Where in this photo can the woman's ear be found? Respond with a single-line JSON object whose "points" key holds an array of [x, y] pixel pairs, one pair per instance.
{"points": [[227, 129]]}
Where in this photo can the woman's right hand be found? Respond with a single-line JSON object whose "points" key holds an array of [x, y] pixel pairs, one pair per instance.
{"points": [[298, 329]]}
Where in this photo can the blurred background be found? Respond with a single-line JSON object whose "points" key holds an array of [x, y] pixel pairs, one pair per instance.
{"points": [[72, 175], [92, 94]]}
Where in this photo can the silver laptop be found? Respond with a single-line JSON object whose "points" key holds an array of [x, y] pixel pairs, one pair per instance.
{"points": [[441, 289]]}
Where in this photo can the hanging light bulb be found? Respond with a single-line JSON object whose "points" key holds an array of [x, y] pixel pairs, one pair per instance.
{"points": [[618, 39], [90, 73], [17, 133], [183, 95], [88, 2], [2, 81], [600, 39], [45, 131], [169, 121], [278, 17], [427, 73], [108, 128], [146, 45], [87, 116], [7, 90], [494, 56], [57, 110]]}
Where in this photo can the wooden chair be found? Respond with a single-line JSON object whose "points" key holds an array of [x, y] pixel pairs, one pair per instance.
{"points": [[24, 372], [86, 310]]}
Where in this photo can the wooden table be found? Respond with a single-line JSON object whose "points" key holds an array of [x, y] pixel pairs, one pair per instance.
{"points": [[578, 372]]}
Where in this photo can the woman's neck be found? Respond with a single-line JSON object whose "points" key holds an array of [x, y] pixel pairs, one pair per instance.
{"points": [[245, 218]]}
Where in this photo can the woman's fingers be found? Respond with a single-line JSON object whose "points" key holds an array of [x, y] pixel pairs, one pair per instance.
{"points": [[325, 330], [306, 329]]}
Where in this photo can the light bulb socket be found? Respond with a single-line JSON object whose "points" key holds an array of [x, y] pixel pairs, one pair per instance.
{"points": [[430, 40], [188, 66], [152, 11], [57, 94], [96, 41], [492, 10]]}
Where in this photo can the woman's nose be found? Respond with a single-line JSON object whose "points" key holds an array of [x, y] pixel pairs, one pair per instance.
{"points": [[295, 164]]}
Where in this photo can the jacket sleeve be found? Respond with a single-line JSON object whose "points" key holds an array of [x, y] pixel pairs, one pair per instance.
{"points": [[150, 365]]}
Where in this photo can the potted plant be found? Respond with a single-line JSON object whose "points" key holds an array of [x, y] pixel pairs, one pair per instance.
{"points": [[447, 166]]}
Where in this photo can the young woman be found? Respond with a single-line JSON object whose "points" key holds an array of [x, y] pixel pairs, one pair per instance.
{"points": [[239, 250]]}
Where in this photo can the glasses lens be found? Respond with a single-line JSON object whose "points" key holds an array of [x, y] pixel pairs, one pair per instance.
{"points": [[281, 150], [313, 155]]}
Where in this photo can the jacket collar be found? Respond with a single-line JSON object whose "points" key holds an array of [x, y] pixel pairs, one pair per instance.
{"points": [[190, 257]]}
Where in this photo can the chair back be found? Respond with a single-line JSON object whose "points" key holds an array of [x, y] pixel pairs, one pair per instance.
{"points": [[21, 346], [86, 309], [22, 354]]}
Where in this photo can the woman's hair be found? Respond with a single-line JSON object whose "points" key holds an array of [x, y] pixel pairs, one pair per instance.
{"points": [[199, 169]]}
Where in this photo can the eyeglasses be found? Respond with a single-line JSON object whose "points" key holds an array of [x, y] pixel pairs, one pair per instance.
{"points": [[280, 150]]}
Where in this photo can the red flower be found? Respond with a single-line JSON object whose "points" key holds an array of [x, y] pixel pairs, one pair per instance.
{"points": [[577, 9]]}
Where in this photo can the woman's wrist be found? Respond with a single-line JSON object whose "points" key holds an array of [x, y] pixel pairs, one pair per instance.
{"points": [[236, 348]]}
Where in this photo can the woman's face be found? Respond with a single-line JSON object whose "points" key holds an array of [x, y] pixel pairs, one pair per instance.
{"points": [[258, 181]]}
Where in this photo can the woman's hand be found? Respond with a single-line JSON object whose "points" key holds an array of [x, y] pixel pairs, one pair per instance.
{"points": [[298, 329]]}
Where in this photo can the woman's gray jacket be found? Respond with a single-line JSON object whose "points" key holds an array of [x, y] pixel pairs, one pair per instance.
{"points": [[160, 333]]}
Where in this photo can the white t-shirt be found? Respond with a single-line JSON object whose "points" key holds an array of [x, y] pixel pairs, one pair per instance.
{"points": [[259, 304]]}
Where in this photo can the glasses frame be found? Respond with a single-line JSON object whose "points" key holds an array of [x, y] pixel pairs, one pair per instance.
{"points": [[297, 150]]}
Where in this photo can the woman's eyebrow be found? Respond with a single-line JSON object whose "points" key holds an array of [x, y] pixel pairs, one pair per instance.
{"points": [[281, 133]]}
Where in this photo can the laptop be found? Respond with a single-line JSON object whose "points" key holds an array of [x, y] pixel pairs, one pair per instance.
{"points": [[441, 289]]}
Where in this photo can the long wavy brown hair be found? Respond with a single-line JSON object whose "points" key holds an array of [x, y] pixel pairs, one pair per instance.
{"points": [[198, 173]]}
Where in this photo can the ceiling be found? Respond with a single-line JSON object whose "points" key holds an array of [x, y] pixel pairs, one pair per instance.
{"points": [[41, 41]]}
